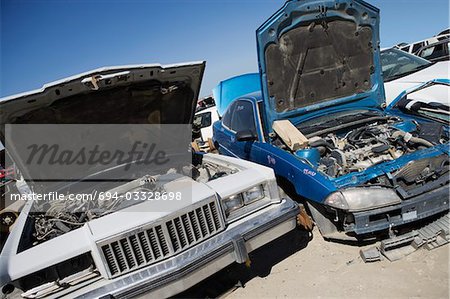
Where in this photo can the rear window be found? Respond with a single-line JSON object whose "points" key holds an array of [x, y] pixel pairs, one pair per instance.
{"points": [[243, 118], [226, 119]]}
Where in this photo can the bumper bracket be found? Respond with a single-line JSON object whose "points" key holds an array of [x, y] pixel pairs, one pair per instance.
{"points": [[240, 250]]}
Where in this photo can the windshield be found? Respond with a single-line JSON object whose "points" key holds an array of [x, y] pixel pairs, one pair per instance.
{"points": [[397, 63]]}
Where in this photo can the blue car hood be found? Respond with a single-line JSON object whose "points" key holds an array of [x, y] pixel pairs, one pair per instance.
{"points": [[319, 55]]}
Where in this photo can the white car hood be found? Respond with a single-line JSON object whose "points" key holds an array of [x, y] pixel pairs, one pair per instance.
{"points": [[438, 93]]}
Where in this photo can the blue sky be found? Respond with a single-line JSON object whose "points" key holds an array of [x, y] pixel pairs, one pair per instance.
{"points": [[42, 41]]}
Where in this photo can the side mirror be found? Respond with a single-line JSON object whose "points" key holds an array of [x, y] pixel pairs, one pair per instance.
{"points": [[246, 135]]}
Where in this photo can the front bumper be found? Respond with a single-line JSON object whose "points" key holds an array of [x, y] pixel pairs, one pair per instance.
{"points": [[411, 210], [180, 272]]}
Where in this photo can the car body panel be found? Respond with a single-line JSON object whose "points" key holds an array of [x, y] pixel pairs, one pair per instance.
{"points": [[444, 83], [439, 70], [98, 96], [421, 93]]}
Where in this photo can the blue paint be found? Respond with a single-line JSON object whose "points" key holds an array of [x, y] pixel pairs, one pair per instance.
{"points": [[228, 90], [312, 155]]}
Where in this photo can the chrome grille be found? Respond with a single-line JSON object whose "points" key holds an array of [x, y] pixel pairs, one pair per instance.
{"points": [[193, 226], [159, 241]]}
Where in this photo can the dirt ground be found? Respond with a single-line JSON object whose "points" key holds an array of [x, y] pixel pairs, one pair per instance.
{"points": [[301, 266], [325, 269]]}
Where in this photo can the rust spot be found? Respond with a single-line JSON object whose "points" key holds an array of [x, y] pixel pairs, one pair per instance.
{"points": [[303, 219]]}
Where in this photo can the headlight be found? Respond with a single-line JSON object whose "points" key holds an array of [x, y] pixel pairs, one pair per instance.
{"points": [[232, 203], [359, 199], [243, 202], [253, 194]]}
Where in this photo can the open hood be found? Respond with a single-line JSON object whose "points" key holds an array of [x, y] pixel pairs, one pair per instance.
{"points": [[319, 55], [136, 94], [124, 96]]}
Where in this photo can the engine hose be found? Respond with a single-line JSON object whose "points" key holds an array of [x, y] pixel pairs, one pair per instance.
{"points": [[416, 140], [322, 142]]}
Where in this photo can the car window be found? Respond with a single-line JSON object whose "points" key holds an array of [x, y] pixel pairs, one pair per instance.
{"points": [[226, 119], [202, 120], [406, 49], [396, 63], [243, 117], [417, 46], [435, 51]]}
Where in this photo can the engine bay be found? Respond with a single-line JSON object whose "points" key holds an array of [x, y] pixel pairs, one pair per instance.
{"points": [[353, 144], [50, 219], [363, 147]]}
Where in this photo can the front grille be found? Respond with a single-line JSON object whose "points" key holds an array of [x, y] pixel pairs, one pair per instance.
{"points": [[156, 242]]}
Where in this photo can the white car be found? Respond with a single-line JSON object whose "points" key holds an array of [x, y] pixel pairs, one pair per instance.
{"points": [[414, 48], [409, 103], [204, 120], [115, 248], [402, 71]]}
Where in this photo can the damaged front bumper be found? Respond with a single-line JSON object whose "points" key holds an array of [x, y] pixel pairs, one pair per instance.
{"points": [[381, 222], [180, 272], [411, 210]]}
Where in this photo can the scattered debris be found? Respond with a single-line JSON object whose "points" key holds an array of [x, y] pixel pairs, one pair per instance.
{"points": [[350, 262], [304, 220], [434, 234], [203, 146], [370, 255], [431, 236], [397, 247]]}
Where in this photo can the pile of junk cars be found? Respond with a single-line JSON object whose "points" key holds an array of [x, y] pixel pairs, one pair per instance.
{"points": [[314, 121]]}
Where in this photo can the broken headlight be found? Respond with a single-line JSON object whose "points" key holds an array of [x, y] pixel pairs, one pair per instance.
{"points": [[360, 199], [233, 204]]}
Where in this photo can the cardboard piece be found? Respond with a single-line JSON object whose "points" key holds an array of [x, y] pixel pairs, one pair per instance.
{"points": [[290, 135]]}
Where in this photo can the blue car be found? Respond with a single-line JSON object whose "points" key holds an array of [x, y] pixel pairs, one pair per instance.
{"points": [[320, 121]]}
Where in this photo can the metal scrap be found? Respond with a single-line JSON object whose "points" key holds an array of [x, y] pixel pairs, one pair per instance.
{"points": [[370, 255], [431, 236]]}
